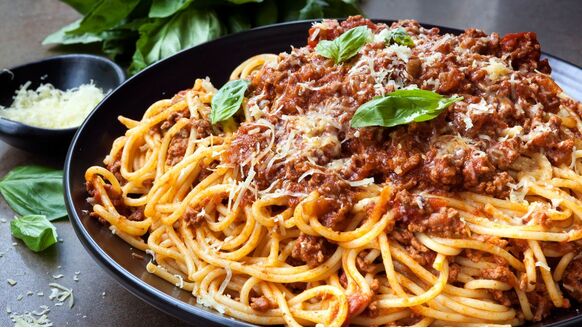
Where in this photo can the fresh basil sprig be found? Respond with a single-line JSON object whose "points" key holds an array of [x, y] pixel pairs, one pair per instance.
{"points": [[346, 45], [36, 231], [35, 190], [398, 36], [401, 107], [227, 101], [155, 29]]}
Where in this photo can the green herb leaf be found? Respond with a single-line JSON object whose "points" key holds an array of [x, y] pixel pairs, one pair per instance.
{"points": [[35, 190], [313, 9], [36, 231], [398, 36], [237, 22], [401, 107], [341, 8], [346, 45], [62, 37], [240, 2], [266, 13], [227, 101], [108, 21], [116, 43], [164, 37], [82, 6], [105, 15], [165, 8]]}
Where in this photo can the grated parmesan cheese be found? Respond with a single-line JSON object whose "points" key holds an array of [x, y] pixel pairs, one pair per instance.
{"points": [[51, 108], [403, 52], [543, 266], [496, 69], [361, 183]]}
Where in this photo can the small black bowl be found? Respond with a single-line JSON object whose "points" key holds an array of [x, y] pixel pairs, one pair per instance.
{"points": [[63, 72]]}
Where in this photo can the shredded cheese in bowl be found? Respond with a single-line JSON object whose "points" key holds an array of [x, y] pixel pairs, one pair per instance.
{"points": [[50, 108]]}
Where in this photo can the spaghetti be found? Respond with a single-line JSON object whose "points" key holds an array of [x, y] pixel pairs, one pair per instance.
{"points": [[285, 215]]}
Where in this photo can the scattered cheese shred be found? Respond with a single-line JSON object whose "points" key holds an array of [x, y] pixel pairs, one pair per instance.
{"points": [[61, 293]]}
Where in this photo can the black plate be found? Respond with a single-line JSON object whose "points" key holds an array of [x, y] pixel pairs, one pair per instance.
{"points": [[215, 59]]}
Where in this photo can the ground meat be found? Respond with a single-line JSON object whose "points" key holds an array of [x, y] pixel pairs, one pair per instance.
{"points": [[373, 310], [357, 303], [262, 304], [451, 81], [504, 153], [524, 51], [250, 137], [454, 270], [501, 273], [407, 207], [173, 118], [414, 248], [572, 280], [445, 222], [192, 217], [363, 265], [114, 167], [335, 203], [541, 304], [343, 279], [311, 250], [137, 215], [177, 147], [414, 67], [503, 298]]}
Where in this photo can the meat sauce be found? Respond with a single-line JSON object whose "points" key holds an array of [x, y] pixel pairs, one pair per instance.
{"points": [[470, 147]]}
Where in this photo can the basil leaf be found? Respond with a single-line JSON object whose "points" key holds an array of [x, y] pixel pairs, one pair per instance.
{"points": [[164, 37], [35, 231], [227, 101], [341, 8], [266, 13], [237, 22], [401, 107], [165, 8], [35, 190], [105, 15], [313, 9], [63, 37], [346, 45], [398, 36], [240, 2], [82, 6], [116, 44]]}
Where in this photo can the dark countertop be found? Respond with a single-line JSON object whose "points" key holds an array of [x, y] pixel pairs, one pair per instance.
{"points": [[99, 300]]}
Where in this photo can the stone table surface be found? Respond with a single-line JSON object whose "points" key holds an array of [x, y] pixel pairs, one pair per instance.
{"points": [[99, 300]]}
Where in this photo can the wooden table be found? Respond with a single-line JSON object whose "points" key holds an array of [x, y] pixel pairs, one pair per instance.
{"points": [[99, 300]]}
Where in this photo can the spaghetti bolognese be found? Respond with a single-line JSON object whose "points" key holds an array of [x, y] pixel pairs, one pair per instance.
{"points": [[320, 199]]}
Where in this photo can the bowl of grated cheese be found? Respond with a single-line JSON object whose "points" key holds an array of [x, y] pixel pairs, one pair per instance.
{"points": [[43, 103]]}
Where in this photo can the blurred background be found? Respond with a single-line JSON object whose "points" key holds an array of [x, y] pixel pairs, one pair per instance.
{"points": [[24, 24]]}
